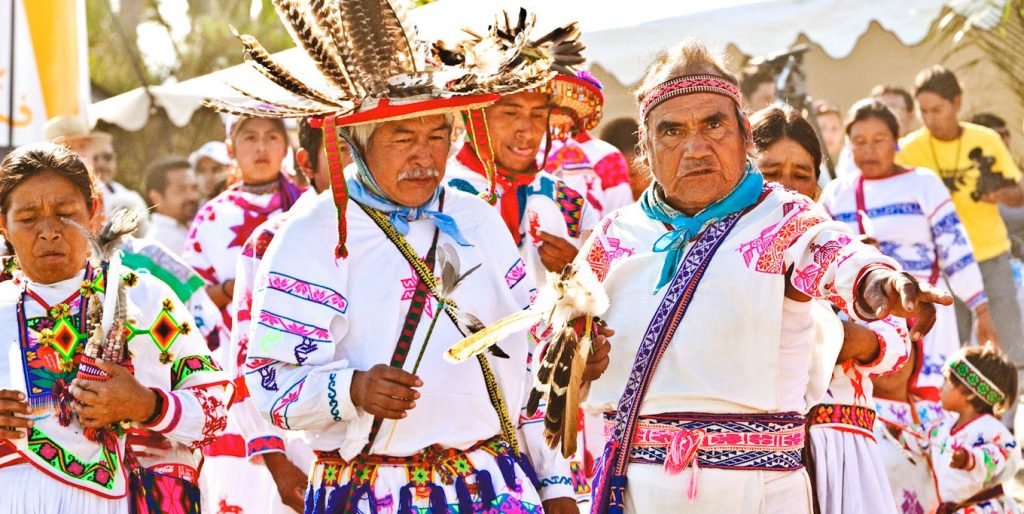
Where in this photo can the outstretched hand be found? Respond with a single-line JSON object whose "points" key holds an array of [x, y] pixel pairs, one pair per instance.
{"points": [[885, 292]]}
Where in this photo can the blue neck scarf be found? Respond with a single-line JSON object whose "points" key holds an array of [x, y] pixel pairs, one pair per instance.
{"points": [[685, 228], [364, 189]]}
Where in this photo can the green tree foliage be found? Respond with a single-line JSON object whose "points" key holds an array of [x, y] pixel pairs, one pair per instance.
{"points": [[116, 66], [996, 28]]}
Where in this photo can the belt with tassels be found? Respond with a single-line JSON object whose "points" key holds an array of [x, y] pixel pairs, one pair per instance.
{"points": [[770, 442], [339, 485]]}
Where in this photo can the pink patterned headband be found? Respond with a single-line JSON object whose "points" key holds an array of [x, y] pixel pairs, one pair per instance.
{"points": [[687, 85]]}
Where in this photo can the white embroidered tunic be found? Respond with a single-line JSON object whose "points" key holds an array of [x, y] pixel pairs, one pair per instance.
{"points": [[168, 355], [739, 324], [993, 458], [315, 320], [222, 225], [593, 167]]}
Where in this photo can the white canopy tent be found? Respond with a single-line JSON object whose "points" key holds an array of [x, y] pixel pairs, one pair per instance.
{"points": [[621, 37]]}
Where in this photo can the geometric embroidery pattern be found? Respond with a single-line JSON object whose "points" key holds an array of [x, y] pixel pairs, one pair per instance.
{"points": [[771, 245], [841, 414], [600, 258], [308, 291], [571, 204], [99, 473], [190, 365], [163, 332], [748, 441]]}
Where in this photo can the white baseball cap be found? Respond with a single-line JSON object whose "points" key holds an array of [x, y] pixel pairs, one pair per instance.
{"points": [[214, 150]]}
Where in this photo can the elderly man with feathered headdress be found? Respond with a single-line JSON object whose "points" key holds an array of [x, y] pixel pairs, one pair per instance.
{"points": [[361, 291], [709, 277]]}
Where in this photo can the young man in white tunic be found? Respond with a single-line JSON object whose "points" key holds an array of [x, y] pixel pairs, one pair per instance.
{"points": [[345, 302], [710, 417], [548, 219]]}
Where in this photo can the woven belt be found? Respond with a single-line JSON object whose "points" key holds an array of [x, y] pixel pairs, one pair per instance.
{"points": [[853, 418], [772, 442]]}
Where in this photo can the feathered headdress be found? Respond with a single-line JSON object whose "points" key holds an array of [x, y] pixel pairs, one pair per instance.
{"points": [[372, 68], [576, 97]]}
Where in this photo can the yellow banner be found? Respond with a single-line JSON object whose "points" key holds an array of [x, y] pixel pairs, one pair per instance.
{"points": [[54, 26]]}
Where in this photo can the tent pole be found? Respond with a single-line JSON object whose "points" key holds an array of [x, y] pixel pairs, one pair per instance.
{"points": [[11, 83]]}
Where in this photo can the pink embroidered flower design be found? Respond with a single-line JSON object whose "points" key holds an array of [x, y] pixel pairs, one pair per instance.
{"points": [[515, 274], [293, 327]]}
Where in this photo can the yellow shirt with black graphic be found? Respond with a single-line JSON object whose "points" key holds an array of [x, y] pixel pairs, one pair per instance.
{"points": [[974, 164]]}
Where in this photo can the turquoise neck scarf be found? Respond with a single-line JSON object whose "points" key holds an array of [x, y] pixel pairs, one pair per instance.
{"points": [[685, 228]]}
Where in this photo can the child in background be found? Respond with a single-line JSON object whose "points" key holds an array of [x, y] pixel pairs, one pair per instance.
{"points": [[972, 452]]}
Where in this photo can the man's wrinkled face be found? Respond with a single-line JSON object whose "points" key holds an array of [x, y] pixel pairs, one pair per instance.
{"points": [[696, 148], [517, 125], [104, 160], [181, 198], [407, 158]]}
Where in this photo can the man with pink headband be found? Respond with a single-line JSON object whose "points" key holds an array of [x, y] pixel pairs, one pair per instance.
{"points": [[719, 353]]}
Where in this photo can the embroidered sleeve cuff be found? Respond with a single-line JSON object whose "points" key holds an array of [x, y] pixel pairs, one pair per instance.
{"points": [[170, 414], [881, 353], [264, 444], [557, 486], [977, 300], [339, 401]]}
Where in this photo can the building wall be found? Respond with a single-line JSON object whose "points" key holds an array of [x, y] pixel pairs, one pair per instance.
{"points": [[879, 57]]}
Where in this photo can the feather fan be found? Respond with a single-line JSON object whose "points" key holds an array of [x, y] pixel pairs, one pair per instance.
{"points": [[567, 305]]}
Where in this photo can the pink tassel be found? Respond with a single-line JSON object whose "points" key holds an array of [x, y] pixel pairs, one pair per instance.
{"points": [[691, 493], [682, 450]]}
